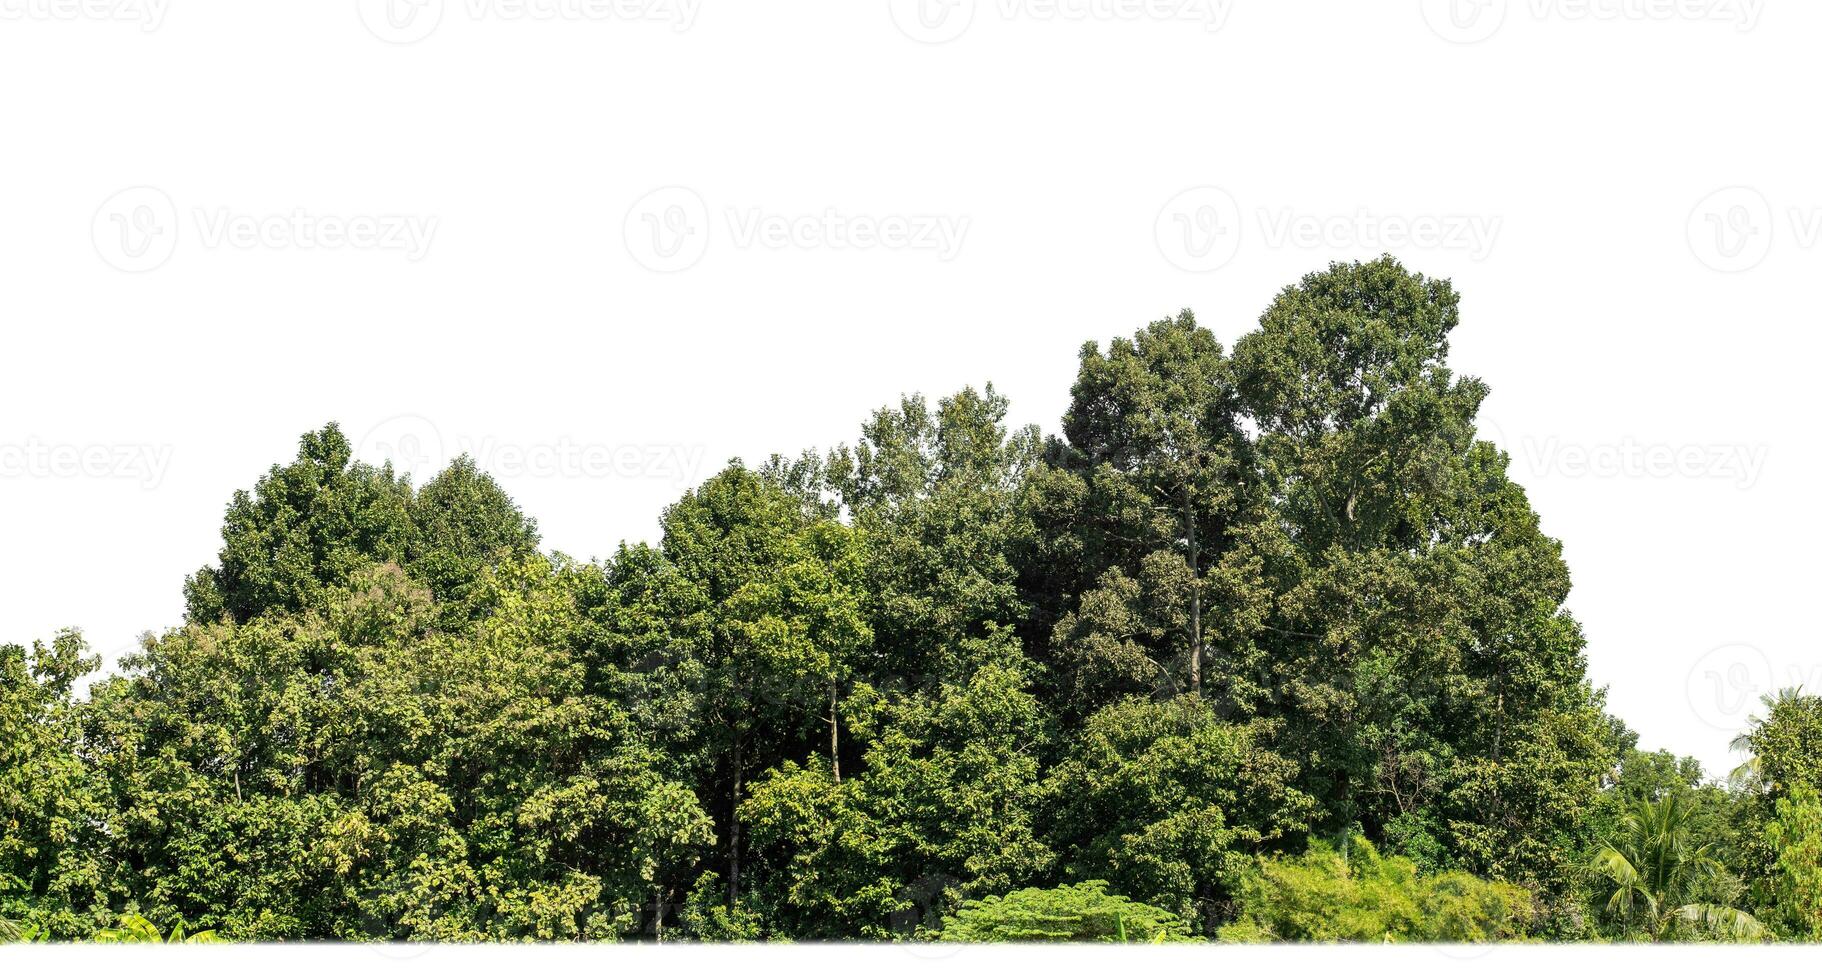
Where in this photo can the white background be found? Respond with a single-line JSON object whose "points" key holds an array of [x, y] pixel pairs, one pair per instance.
{"points": [[592, 304]]}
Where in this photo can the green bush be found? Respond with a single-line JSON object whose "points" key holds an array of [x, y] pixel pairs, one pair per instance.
{"points": [[1082, 913], [1351, 893]]}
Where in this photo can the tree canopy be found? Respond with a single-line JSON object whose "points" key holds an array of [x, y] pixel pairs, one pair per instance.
{"points": [[1264, 644]]}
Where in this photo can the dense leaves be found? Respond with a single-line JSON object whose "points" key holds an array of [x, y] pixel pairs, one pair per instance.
{"points": [[1264, 644]]}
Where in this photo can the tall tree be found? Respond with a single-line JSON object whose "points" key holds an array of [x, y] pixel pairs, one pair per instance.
{"points": [[305, 528]]}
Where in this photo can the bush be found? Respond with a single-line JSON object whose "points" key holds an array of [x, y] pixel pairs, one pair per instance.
{"points": [[1350, 893], [1070, 913]]}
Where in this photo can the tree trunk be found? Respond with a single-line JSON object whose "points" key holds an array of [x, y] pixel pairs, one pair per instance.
{"points": [[734, 827], [1195, 599], [834, 735]]}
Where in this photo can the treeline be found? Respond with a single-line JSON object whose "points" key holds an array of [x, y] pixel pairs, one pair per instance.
{"points": [[1264, 645]]}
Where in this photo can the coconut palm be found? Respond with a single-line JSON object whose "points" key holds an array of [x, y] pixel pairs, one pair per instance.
{"points": [[1751, 776], [1662, 879]]}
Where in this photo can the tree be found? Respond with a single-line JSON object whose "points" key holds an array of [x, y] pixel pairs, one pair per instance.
{"points": [[1069, 913], [1663, 884], [305, 528], [1348, 892], [946, 805], [1166, 802], [1414, 642], [55, 869], [1795, 836], [773, 626], [1784, 746], [1149, 484]]}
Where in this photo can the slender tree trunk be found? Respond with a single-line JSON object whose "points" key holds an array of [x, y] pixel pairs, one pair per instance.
{"points": [[1195, 598], [834, 735], [658, 915], [734, 825]]}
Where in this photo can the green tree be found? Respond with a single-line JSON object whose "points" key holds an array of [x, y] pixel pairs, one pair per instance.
{"points": [[306, 527], [1166, 802], [1145, 496], [1795, 836], [1418, 649], [1663, 884], [55, 868]]}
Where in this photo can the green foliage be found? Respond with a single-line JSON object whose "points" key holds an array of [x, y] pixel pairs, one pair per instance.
{"points": [[53, 806], [1663, 883], [1083, 913], [138, 929], [1244, 599], [1795, 836], [1165, 801], [1350, 893]]}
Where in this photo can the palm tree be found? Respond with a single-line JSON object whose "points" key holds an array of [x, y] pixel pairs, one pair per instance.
{"points": [[138, 929], [1660, 876], [1750, 776]]}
